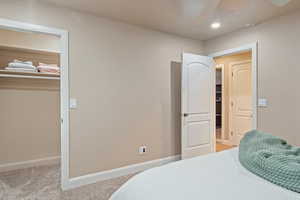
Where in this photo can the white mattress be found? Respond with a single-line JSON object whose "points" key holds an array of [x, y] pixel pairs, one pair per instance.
{"points": [[211, 177]]}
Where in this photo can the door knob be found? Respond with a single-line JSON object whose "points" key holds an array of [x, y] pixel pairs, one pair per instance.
{"points": [[185, 115]]}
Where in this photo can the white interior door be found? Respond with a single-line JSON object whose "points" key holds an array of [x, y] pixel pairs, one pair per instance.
{"points": [[198, 110], [241, 112]]}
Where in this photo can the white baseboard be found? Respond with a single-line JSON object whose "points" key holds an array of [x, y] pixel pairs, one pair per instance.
{"points": [[29, 163], [114, 173]]}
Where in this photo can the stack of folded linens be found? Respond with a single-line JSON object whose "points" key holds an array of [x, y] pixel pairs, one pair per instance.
{"points": [[48, 68], [21, 66], [271, 158]]}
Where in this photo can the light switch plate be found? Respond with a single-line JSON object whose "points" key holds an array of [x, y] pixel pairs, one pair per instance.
{"points": [[262, 102], [73, 103]]}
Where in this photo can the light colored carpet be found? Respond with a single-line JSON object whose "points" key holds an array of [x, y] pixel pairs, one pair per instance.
{"points": [[43, 183]]}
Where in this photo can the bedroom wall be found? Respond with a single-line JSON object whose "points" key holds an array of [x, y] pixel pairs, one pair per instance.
{"points": [[29, 118], [226, 60], [123, 78], [278, 71]]}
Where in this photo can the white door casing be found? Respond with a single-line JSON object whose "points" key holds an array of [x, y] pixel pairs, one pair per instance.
{"points": [[240, 90], [198, 108]]}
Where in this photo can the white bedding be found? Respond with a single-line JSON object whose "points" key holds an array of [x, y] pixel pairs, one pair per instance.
{"points": [[211, 177]]}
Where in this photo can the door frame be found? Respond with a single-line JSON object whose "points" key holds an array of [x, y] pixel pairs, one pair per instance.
{"points": [[253, 47], [230, 97], [64, 85]]}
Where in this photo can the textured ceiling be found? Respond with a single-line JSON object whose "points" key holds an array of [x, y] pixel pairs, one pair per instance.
{"points": [[189, 18]]}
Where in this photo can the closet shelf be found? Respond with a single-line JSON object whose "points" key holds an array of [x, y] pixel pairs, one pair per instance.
{"points": [[30, 75]]}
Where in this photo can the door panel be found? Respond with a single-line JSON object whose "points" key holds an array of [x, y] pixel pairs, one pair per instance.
{"points": [[241, 98], [198, 80], [244, 124], [194, 138], [197, 105]]}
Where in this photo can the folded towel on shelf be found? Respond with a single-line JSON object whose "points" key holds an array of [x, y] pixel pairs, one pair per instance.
{"points": [[21, 64], [20, 69], [48, 68], [24, 62]]}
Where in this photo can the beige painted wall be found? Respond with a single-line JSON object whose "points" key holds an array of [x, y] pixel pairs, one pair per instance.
{"points": [[29, 40], [278, 71], [124, 78], [226, 60], [29, 119], [29, 123]]}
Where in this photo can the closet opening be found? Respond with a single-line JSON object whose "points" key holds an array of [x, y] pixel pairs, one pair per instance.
{"points": [[30, 96], [234, 96]]}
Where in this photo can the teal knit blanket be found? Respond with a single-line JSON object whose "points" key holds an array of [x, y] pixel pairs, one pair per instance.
{"points": [[271, 158]]}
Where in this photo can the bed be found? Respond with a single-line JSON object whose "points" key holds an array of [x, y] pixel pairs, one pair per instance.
{"points": [[217, 176]]}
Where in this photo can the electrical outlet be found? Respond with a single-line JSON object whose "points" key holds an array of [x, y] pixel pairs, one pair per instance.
{"points": [[142, 150]]}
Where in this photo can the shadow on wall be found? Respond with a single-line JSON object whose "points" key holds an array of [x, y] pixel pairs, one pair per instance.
{"points": [[176, 104]]}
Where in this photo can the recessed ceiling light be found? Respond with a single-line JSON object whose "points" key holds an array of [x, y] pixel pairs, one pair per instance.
{"points": [[215, 25]]}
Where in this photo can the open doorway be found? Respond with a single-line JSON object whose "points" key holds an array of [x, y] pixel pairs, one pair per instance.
{"points": [[34, 102], [199, 98], [234, 96], [30, 105]]}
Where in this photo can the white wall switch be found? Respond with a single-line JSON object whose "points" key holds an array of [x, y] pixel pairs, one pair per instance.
{"points": [[73, 103], [262, 102]]}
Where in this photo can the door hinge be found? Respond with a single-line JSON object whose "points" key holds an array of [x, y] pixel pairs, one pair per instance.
{"points": [[62, 120], [231, 133], [232, 74], [232, 103]]}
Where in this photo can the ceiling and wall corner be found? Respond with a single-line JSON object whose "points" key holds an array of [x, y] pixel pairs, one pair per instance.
{"points": [[188, 18]]}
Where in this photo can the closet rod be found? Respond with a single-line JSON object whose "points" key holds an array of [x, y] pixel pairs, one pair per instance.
{"points": [[30, 77]]}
